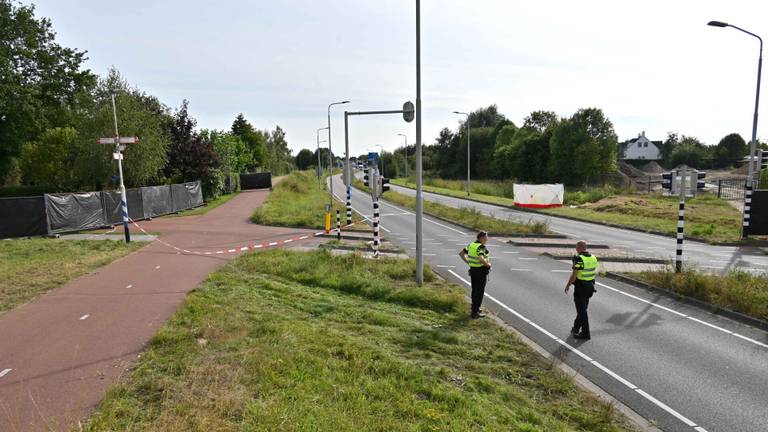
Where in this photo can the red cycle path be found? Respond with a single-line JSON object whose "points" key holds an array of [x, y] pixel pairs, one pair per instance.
{"points": [[66, 348]]}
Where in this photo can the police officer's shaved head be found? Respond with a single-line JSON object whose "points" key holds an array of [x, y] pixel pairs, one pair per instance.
{"points": [[581, 246], [482, 234]]}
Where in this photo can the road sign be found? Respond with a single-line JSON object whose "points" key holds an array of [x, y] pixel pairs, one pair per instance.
{"points": [[123, 140], [408, 111], [117, 156]]}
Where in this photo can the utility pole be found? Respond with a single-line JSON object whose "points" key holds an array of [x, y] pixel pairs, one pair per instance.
{"points": [[405, 152], [319, 163], [419, 209], [330, 150]]}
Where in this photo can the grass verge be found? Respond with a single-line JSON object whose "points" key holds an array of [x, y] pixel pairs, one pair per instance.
{"points": [[281, 340], [466, 216], [737, 290], [207, 206], [707, 216], [31, 267], [299, 200]]}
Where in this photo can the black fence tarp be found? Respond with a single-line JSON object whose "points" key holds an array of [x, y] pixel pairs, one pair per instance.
{"points": [[74, 212], [112, 212], [758, 216], [156, 200], [22, 217], [256, 181]]}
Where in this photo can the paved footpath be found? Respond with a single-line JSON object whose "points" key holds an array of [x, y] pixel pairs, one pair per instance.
{"points": [[60, 352]]}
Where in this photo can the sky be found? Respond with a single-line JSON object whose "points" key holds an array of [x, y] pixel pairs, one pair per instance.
{"points": [[652, 66]]}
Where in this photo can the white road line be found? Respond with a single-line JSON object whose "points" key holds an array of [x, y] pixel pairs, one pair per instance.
{"points": [[520, 269], [4, 372], [712, 267], [511, 252], [562, 271], [219, 252], [527, 259], [445, 266], [702, 322], [244, 248], [631, 386], [157, 267], [232, 250], [426, 254], [84, 317], [273, 244], [718, 262], [129, 286]]}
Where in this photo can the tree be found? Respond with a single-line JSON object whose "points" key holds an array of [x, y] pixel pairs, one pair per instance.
{"points": [[280, 158], [730, 149], [306, 159], [191, 155], [49, 160], [541, 121], [583, 147], [689, 151], [41, 82], [255, 141], [668, 147]]}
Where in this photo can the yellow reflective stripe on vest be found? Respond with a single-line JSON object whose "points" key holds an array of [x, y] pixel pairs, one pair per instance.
{"points": [[589, 271], [473, 255]]}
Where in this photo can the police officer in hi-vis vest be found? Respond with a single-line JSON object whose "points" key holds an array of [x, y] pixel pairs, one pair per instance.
{"points": [[479, 260], [583, 281]]}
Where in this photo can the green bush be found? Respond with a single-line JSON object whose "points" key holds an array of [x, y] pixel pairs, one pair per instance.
{"points": [[579, 197]]}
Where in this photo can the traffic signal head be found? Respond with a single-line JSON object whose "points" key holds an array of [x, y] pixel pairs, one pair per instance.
{"points": [[763, 159], [384, 184], [366, 178], [700, 179], [666, 180]]}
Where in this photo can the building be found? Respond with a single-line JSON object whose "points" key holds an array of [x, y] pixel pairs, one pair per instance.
{"points": [[640, 148]]}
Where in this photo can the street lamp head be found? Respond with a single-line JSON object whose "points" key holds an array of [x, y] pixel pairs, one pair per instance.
{"points": [[345, 102], [717, 24], [401, 134]]}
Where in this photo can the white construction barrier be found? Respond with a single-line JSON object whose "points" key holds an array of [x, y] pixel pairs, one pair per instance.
{"points": [[539, 196]]}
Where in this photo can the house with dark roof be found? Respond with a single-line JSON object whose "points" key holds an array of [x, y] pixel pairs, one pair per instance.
{"points": [[640, 148]]}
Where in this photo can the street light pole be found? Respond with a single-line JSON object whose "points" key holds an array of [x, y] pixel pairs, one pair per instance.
{"points": [[319, 164], [405, 151], [753, 145], [419, 205], [123, 197], [382, 158], [330, 150], [469, 188]]}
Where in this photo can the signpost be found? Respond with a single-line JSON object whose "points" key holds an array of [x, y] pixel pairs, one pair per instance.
{"points": [[119, 143]]}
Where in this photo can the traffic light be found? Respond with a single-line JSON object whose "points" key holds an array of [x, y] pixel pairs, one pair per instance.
{"points": [[700, 179], [763, 159], [384, 184], [666, 180], [365, 177]]}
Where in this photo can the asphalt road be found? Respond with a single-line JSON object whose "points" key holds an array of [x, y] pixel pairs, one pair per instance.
{"points": [[681, 367], [704, 256]]}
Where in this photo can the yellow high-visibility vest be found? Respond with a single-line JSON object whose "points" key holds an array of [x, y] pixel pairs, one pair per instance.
{"points": [[589, 271], [473, 255]]}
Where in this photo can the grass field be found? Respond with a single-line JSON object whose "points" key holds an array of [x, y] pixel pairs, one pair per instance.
{"points": [[707, 217], [31, 267], [739, 291], [466, 216], [299, 200], [207, 206], [282, 340]]}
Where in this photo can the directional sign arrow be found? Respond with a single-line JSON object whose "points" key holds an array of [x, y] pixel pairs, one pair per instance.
{"points": [[122, 140]]}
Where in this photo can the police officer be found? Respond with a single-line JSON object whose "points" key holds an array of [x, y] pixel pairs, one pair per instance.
{"points": [[478, 258], [583, 281]]}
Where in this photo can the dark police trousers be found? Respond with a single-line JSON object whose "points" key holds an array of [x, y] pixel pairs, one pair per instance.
{"points": [[581, 294], [479, 277]]}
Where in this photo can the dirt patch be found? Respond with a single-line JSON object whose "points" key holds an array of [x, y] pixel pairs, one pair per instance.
{"points": [[652, 167]]}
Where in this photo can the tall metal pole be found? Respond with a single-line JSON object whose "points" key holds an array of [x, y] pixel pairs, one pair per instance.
{"points": [[419, 209], [753, 144], [319, 163], [405, 152], [382, 159], [681, 219], [466, 127], [330, 150], [123, 197]]}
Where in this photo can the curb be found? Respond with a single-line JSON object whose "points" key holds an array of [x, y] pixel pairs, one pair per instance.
{"points": [[709, 307], [640, 260], [608, 224], [555, 245]]}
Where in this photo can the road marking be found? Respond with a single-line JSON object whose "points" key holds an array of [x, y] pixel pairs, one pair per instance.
{"points": [[84, 317], [562, 271], [718, 262], [244, 248], [702, 322], [528, 258], [157, 267], [4, 372], [219, 252], [445, 266], [631, 386], [232, 250], [273, 244], [426, 254], [511, 252], [712, 267], [129, 286], [520, 269]]}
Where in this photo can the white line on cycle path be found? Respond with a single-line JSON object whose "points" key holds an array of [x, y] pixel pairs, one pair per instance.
{"points": [[595, 363]]}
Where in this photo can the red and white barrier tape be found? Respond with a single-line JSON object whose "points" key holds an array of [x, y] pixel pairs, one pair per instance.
{"points": [[241, 248]]}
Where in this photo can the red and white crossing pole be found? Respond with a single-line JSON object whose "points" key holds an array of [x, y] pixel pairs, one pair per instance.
{"points": [[118, 155]]}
